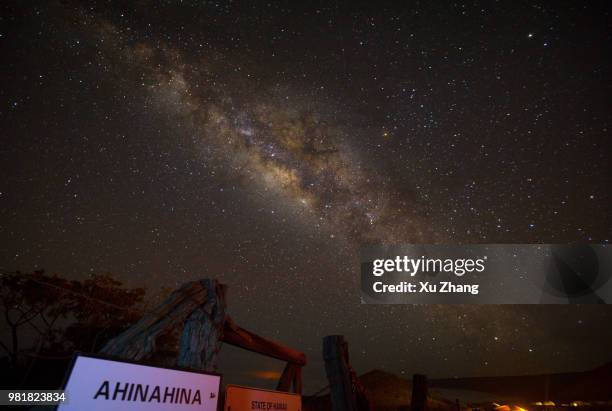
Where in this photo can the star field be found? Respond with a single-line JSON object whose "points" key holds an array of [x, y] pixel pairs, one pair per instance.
{"points": [[265, 143]]}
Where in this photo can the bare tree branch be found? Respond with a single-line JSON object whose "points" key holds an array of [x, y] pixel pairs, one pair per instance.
{"points": [[5, 348]]}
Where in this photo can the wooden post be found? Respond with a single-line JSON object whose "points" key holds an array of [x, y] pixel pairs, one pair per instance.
{"points": [[292, 376], [202, 332], [284, 383], [345, 391], [297, 381], [419, 393], [203, 301]]}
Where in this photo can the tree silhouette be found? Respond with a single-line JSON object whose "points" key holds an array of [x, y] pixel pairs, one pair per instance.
{"points": [[26, 302], [97, 322], [50, 315]]}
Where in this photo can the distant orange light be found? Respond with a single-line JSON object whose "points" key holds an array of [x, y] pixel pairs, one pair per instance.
{"points": [[267, 375], [509, 408]]}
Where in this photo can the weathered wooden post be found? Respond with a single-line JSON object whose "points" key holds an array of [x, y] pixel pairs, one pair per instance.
{"points": [[419, 393], [200, 306], [292, 376], [346, 392], [203, 330]]}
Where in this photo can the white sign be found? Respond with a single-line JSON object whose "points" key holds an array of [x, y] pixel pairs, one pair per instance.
{"points": [[96, 384], [239, 398]]}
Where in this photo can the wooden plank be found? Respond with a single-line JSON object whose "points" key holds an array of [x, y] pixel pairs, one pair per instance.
{"points": [[232, 334]]}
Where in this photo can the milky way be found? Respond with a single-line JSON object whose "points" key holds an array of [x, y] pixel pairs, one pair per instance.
{"points": [[286, 146]]}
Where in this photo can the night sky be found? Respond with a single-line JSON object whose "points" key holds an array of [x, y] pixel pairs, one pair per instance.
{"points": [[265, 143]]}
